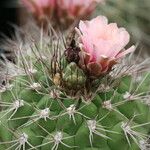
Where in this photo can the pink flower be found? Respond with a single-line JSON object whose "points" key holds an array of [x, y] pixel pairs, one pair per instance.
{"points": [[102, 45], [76, 8], [60, 12], [40, 8]]}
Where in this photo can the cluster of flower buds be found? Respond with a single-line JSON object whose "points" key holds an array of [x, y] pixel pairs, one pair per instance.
{"points": [[63, 12]]}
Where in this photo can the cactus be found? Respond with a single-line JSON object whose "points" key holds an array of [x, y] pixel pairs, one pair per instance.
{"points": [[52, 104]]}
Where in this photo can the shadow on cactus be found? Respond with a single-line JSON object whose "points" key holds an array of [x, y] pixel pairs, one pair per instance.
{"points": [[85, 95]]}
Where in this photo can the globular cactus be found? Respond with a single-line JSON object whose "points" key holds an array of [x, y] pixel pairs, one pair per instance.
{"points": [[56, 104]]}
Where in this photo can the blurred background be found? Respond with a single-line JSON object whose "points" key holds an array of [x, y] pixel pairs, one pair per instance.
{"points": [[132, 14], [8, 16]]}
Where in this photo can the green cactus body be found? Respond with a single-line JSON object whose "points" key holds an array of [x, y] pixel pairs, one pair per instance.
{"points": [[56, 107]]}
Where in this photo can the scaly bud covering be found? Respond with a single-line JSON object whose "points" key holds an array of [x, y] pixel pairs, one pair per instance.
{"points": [[73, 76], [102, 44], [72, 52]]}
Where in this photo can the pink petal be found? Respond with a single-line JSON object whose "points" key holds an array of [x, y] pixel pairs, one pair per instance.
{"points": [[129, 50], [99, 20], [124, 38], [83, 26]]}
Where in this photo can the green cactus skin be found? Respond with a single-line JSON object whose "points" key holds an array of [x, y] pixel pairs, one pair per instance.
{"points": [[58, 108]]}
